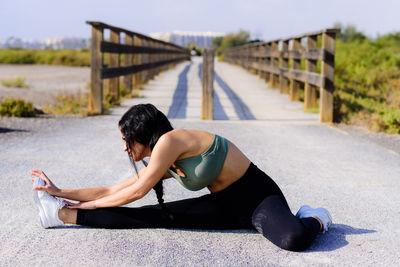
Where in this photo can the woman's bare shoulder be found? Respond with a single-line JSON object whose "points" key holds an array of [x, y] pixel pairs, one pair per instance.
{"points": [[187, 134], [188, 142]]}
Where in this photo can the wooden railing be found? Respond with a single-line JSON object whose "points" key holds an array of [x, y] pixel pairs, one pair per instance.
{"points": [[207, 82], [279, 62], [144, 57]]}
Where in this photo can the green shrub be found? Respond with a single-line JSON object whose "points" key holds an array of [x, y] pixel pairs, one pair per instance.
{"points": [[367, 83], [50, 57], [18, 82], [228, 41], [16, 108], [68, 103]]}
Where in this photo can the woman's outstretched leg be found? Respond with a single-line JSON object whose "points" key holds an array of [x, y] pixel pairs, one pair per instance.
{"points": [[275, 221], [195, 213], [68, 216]]}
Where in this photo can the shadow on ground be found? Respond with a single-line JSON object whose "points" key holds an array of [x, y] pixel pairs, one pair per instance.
{"points": [[177, 110], [332, 240], [7, 130], [335, 238]]}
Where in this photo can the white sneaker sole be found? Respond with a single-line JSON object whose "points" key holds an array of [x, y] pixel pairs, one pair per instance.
{"points": [[42, 213], [306, 211]]}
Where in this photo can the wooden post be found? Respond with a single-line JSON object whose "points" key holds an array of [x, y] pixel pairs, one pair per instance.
{"points": [[151, 56], [255, 59], [248, 58], [128, 62], [137, 60], [311, 66], [263, 61], [283, 81], [163, 57], [159, 57], [207, 99], [274, 78], [145, 59], [294, 94], [256, 49], [114, 63], [239, 56], [96, 89], [169, 57], [268, 63], [328, 72]]}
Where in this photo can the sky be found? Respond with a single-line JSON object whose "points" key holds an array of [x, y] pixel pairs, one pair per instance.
{"points": [[264, 19]]}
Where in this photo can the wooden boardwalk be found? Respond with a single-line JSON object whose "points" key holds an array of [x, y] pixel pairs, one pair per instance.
{"points": [[239, 95]]}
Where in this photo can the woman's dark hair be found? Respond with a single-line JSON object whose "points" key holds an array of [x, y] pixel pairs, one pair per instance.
{"points": [[145, 124]]}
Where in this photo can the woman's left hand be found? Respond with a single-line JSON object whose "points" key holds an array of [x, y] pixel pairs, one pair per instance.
{"points": [[89, 205]]}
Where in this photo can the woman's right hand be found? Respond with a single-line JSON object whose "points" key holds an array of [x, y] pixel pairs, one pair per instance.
{"points": [[49, 187]]}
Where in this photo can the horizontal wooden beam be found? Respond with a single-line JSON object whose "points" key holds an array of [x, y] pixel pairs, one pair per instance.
{"points": [[118, 29], [107, 73], [312, 78], [267, 53], [109, 47], [264, 67], [300, 36], [311, 54]]}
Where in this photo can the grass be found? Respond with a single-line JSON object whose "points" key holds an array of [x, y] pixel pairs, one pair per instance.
{"points": [[64, 57], [18, 82], [313, 110], [10, 107], [67, 103], [367, 84]]}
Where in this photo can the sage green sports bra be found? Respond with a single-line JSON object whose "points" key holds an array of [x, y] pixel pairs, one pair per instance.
{"points": [[202, 170]]}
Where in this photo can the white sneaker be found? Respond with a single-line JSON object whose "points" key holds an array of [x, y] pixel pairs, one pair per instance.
{"points": [[323, 214], [48, 206]]}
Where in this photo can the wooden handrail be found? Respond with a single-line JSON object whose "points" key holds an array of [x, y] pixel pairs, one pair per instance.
{"points": [[145, 57], [98, 24], [271, 61]]}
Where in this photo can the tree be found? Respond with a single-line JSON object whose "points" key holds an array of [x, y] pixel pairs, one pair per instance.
{"points": [[217, 41], [349, 33], [231, 40]]}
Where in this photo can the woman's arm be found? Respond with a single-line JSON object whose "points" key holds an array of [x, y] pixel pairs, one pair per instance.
{"points": [[166, 151], [85, 194]]}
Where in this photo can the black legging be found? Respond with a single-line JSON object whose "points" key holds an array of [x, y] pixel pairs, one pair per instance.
{"points": [[254, 201]]}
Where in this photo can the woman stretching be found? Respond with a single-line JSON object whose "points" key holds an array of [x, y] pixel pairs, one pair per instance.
{"points": [[242, 196]]}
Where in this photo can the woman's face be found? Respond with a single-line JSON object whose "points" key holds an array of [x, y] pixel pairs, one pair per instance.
{"points": [[137, 150]]}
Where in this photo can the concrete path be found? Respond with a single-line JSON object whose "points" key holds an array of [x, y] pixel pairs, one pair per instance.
{"points": [[313, 163]]}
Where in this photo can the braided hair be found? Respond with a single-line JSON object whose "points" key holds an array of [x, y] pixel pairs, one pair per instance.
{"points": [[145, 124]]}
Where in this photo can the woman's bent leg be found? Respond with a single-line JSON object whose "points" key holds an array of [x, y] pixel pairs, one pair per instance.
{"points": [[195, 213], [275, 221]]}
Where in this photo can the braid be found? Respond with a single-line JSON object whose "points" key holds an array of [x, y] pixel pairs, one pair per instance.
{"points": [[160, 192], [158, 188], [145, 124]]}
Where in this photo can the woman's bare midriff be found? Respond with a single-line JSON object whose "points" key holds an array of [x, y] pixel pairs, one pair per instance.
{"points": [[236, 164]]}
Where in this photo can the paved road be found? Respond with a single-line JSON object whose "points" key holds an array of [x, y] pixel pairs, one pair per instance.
{"points": [[356, 179]]}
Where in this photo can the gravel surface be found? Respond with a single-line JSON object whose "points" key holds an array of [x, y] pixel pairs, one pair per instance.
{"points": [[44, 81], [348, 171]]}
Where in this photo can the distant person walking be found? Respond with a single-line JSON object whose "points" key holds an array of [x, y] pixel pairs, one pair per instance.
{"points": [[242, 196]]}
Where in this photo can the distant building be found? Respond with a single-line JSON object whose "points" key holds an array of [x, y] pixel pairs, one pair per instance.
{"points": [[66, 43], [50, 43], [200, 39]]}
